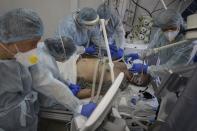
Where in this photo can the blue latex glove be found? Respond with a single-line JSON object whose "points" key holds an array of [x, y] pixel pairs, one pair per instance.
{"points": [[88, 109], [132, 56], [91, 49], [74, 88], [195, 58], [113, 47], [115, 53], [137, 68]]}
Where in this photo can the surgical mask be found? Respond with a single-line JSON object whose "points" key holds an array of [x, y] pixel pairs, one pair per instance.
{"points": [[28, 58], [62, 59], [171, 35]]}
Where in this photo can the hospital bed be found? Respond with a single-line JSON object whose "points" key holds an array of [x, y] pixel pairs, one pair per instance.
{"points": [[100, 114], [176, 97]]}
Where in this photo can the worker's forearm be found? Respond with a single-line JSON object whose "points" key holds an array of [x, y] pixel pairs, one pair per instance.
{"points": [[57, 91]]}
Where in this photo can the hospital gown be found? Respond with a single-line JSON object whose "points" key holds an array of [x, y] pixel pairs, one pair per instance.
{"points": [[18, 102], [115, 31], [47, 81], [169, 57], [80, 35]]}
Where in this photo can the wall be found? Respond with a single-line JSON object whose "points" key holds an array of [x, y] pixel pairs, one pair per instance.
{"points": [[51, 11], [89, 3]]}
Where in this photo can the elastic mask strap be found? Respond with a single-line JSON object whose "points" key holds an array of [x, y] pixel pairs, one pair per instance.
{"points": [[7, 49], [61, 40], [74, 15], [16, 48]]}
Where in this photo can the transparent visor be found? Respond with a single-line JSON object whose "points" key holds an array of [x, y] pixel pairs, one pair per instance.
{"points": [[63, 55], [90, 23], [86, 23]]}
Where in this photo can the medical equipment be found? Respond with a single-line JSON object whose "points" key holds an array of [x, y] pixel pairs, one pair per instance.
{"points": [[142, 31], [102, 22], [174, 93], [164, 5], [191, 32], [103, 62], [55, 114], [100, 113], [193, 53], [137, 110], [175, 77], [156, 50], [94, 80], [171, 88], [185, 103], [101, 81]]}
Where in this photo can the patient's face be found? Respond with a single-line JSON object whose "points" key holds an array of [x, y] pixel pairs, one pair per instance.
{"points": [[140, 80]]}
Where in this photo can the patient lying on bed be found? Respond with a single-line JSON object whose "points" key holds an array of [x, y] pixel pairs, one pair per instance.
{"points": [[85, 74], [86, 68]]}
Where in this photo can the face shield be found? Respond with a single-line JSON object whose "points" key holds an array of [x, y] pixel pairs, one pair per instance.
{"points": [[62, 55], [61, 48], [61, 59], [86, 18], [89, 24], [56, 49]]}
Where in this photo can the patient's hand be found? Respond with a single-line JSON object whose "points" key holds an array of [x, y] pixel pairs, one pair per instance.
{"points": [[84, 93]]}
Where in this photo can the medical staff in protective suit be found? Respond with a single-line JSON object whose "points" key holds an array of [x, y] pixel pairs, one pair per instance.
{"points": [[20, 31], [80, 27], [47, 79], [114, 29], [170, 23]]}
